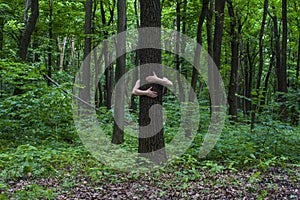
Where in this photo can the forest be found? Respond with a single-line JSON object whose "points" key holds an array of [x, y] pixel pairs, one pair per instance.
{"points": [[149, 99]]}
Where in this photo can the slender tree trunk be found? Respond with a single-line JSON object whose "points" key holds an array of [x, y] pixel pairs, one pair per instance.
{"points": [[25, 39], [198, 49], [210, 44], [109, 69], [151, 141], [260, 68], [265, 90], [217, 46], [177, 46], [61, 48], [232, 99], [135, 74], [73, 58], [282, 75], [219, 22], [49, 70], [250, 72], [86, 74], [183, 42], [118, 131], [29, 28]]}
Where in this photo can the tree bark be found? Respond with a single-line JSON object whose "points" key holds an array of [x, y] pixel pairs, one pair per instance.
{"points": [[177, 46], [86, 74], [118, 131], [218, 35], [232, 99], [61, 48], [29, 28], [49, 70], [198, 49], [151, 144], [109, 69], [260, 67], [282, 74], [217, 46]]}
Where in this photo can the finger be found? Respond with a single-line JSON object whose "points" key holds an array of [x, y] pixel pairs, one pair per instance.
{"points": [[150, 88], [154, 73]]}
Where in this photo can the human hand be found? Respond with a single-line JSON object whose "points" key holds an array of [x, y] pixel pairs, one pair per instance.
{"points": [[151, 93]]}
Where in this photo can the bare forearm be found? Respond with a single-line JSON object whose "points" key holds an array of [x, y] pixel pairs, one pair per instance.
{"points": [[139, 92], [165, 82]]}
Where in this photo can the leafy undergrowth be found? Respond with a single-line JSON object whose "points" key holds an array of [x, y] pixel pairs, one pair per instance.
{"points": [[276, 183], [57, 170]]}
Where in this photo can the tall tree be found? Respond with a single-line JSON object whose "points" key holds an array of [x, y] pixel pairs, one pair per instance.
{"points": [[218, 34], [261, 64], [118, 131], [109, 69], [217, 46], [198, 49], [151, 145], [86, 74], [232, 99], [49, 64], [282, 75], [29, 28], [177, 46]]}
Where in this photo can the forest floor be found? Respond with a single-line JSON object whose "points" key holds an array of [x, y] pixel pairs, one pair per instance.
{"points": [[273, 183]]}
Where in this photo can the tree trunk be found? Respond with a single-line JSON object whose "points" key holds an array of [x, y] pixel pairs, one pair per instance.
{"points": [[151, 142], [249, 73], [29, 28], [61, 48], [183, 42], [198, 50], [49, 70], [219, 22], [86, 74], [232, 99], [177, 46], [282, 74], [256, 95], [217, 46], [109, 69], [73, 60], [118, 131]]}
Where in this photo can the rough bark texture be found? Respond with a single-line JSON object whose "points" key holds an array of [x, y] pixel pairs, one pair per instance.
{"points": [[198, 49], [282, 71], [232, 99], [219, 22], [118, 131], [217, 46], [26, 35], [151, 144], [86, 74]]}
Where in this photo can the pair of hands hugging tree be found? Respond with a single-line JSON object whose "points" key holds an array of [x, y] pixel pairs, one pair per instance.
{"points": [[149, 92]]}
